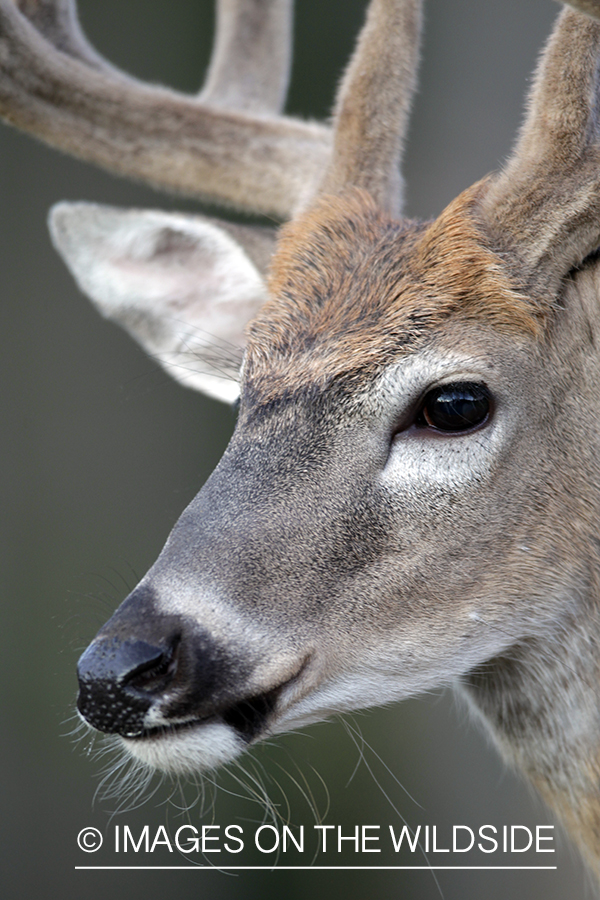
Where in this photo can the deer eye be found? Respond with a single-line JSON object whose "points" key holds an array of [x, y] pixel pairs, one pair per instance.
{"points": [[455, 407]]}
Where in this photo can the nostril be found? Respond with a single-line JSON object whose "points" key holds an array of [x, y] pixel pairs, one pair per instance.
{"points": [[156, 670], [130, 664]]}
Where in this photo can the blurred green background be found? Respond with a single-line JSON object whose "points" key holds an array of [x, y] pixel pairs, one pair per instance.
{"points": [[100, 453]]}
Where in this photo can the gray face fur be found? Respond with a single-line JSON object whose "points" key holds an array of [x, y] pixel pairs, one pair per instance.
{"points": [[334, 558]]}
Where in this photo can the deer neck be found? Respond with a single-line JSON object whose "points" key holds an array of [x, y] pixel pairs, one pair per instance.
{"points": [[540, 702]]}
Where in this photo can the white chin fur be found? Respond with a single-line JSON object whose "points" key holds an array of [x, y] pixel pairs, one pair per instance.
{"points": [[183, 752]]}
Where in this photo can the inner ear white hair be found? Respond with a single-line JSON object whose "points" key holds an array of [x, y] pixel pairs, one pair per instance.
{"points": [[179, 284]]}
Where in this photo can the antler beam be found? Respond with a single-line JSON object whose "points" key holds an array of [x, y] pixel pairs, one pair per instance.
{"points": [[51, 87]]}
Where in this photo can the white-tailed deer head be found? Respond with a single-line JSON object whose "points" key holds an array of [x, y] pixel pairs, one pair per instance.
{"points": [[412, 492]]}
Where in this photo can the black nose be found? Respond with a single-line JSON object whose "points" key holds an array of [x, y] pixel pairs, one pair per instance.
{"points": [[119, 679]]}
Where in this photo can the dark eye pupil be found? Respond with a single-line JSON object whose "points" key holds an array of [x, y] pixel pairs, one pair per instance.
{"points": [[456, 407]]}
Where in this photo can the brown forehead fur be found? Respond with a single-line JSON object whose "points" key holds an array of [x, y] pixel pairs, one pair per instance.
{"points": [[352, 290]]}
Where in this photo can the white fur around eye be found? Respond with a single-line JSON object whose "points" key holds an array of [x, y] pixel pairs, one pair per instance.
{"points": [[421, 461]]}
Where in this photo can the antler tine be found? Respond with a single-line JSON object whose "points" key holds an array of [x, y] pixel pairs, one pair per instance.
{"points": [[545, 204], [58, 22], [374, 101], [250, 63], [174, 142]]}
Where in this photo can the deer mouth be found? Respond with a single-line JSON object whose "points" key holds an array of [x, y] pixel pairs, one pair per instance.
{"points": [[153, 693], [248, 718]]}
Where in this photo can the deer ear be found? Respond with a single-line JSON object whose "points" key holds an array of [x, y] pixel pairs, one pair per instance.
{"points": [[180, 285]]}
